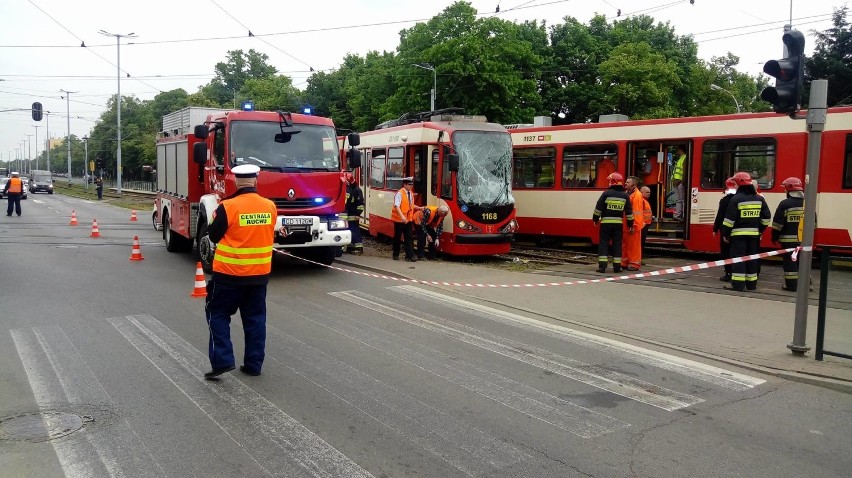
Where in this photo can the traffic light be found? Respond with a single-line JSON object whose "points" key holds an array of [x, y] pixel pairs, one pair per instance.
{"points": [[37, 111], [788, 73], [99, 163]]}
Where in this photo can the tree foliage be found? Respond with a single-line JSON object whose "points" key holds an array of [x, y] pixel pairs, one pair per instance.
{"points": [[832, 60]]}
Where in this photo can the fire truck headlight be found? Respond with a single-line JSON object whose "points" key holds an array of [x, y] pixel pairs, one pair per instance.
{"points": [[337, 224]]}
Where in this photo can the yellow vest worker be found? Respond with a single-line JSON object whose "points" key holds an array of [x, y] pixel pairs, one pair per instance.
{"points": [[244, 228], [402, 213], [14, 190]]}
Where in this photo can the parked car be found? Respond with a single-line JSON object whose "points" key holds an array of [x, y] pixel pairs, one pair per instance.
{"points": [[3, 182]]}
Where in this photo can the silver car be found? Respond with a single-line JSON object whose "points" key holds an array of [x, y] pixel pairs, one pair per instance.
{"points": [[3, 182]]}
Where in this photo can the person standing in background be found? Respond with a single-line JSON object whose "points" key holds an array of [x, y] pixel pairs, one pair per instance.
{"points": [[745, 220], [785, 228], [724, 246], [606, 166], [647, 216], [354, 209], [99, 187], [678, 175], [610, 210], [402, 214], [13, 190], [631, 257]]}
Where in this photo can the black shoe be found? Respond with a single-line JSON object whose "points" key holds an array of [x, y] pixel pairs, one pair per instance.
{"points": [[601, 269], [789, 289], [725, 278], [248, 371], [616, 270], [411, 259], [214, 374], [730, 287], [396, 258]]}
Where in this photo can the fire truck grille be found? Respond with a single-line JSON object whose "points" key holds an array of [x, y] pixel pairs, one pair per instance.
{"points": [[300, 203]]}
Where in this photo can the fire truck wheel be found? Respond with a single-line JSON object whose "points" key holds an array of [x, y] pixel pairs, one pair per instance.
{"points": [[204, 250], [174, 242]]}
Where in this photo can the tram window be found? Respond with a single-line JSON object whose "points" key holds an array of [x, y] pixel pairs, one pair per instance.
{"points": [[395, 167], [433, 182], [377, 168], [722, 158], [847, 164], [533, 167], [583, 166], [446, 176]]}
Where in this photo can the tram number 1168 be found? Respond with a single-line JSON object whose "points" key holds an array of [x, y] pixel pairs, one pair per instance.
{"points": [[489, 216]]}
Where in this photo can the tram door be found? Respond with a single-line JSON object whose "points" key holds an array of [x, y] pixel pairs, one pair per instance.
{"points": [[655, 164], [417, 168]]}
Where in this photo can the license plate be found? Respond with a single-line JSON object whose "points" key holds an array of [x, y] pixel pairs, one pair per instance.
{"points": [[298, 221]]}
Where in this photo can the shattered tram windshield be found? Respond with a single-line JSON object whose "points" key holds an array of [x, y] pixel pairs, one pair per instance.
{"points": [[314, 148], [484, 174]]}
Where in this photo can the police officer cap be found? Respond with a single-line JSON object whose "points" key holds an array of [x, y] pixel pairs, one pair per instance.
{"points": [[15, 173], [409, 179], [246, 171]]}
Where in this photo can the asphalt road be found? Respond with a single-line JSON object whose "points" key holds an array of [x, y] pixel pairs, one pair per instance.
{"points": [[103, 360]]}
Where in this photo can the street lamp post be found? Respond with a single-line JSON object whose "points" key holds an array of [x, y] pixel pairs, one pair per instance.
{"points": [[47, 126], [29, 153], [36, 137], [118, 37], [68, 140], [719, 88], [86, 163], [427, 66]]}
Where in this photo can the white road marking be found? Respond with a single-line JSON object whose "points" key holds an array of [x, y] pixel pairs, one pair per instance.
{"points": [[690, 368], [278, 444], [593, 375], [59, 375], [517, 396]]}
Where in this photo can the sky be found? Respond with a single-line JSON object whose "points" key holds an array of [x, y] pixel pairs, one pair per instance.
{"points": [[177, 43]]}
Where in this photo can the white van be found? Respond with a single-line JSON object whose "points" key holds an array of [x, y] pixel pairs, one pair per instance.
{"points": [[41, 181]]}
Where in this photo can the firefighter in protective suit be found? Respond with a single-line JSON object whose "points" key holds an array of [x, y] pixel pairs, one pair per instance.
{"points": [[611, 209], [785, 228], [745, 220], [354, 210]]}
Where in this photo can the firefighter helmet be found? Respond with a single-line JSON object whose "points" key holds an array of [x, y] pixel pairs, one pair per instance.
{"points": [[793, 184], [742, 178], [615, 179], [730, 183]]}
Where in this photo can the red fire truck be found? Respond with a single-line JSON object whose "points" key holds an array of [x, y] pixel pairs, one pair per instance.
{"points": [[301, 169]]}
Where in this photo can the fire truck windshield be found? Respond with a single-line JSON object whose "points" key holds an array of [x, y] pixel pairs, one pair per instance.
{"points": [[485, 161], [314, 148]]}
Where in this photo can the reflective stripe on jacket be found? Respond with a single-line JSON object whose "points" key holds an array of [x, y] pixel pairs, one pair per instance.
{"points": [[647, 212], [246, 247]]}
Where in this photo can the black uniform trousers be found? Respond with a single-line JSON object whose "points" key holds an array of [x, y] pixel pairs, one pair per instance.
{"points": [[610, 246], [791, 267], [725, 250], [14, 203], [744, 274], [421, 242], [402, 231]]}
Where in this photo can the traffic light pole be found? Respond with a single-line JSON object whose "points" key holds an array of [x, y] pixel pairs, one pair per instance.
{"points": [[817, 105]]}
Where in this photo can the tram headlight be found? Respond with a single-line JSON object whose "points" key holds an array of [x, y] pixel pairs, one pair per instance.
{"points": [[465, 226], [509, 228]]}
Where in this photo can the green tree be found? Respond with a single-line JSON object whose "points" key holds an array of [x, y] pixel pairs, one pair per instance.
{"points": [[232, 73], [832, 60], [271, 93]]}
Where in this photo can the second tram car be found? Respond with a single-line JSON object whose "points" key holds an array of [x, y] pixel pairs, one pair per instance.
{"points": [[461, 161], [559, 172]]}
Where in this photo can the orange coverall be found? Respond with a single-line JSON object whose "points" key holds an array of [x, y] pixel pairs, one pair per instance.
{"points": [[631, 251]]}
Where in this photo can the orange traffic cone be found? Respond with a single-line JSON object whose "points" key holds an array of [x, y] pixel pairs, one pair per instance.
{"points": [[200, 284], [73, 218], [136, 253], [95, 232], [133, 215]]}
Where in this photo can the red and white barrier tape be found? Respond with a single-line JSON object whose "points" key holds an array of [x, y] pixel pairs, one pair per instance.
{"points": [[661, 272]]}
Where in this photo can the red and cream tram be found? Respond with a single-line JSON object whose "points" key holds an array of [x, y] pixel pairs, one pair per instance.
{"points": [[461, 161], [558, 172]]}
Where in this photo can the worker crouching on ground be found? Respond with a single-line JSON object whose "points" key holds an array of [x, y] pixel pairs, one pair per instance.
{"points": [[785, 228], [611, 209], [429, 222], [745, 220], [354, 210], [244, 228]]}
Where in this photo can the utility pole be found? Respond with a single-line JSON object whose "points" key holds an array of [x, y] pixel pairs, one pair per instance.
{"points": [[29, 153], [47, 123], [36, 137], [68, 140], [118, 37], [86, 163]]}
